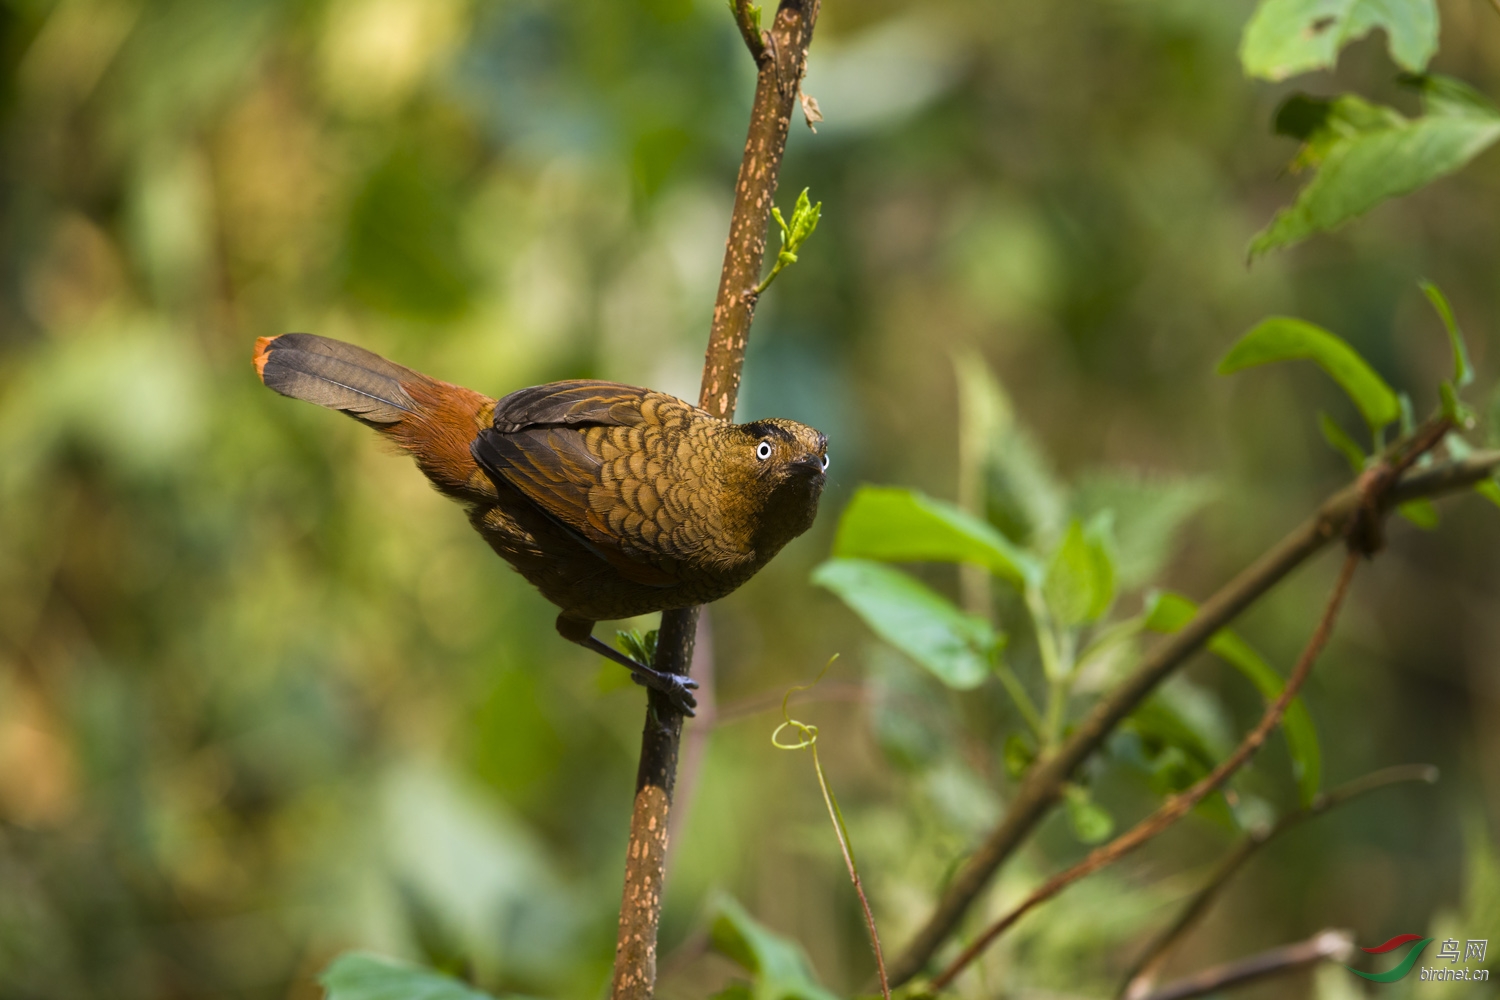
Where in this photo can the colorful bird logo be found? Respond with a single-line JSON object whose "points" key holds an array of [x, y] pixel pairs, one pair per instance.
{"points": [[1391, 975]]}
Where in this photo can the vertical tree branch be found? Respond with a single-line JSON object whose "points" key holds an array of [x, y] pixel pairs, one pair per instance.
{"points": [[776, 89], [781, 58], [646, 857]]}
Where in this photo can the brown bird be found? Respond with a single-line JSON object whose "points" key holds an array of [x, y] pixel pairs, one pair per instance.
{"points": [[611, 500]]}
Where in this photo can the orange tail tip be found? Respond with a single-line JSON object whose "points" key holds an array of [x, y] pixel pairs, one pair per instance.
{"points": [[262, 352]]}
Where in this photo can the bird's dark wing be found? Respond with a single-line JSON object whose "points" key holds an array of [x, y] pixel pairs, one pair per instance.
{"points": [[557, 445], [575, 403]]}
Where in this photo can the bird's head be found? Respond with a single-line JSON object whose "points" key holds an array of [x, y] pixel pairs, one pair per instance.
{"points": [[776, 468]]}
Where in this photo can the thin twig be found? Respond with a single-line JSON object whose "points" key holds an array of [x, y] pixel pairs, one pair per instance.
{"points": [[1178, 805], [1138, 982], [770, 117], [747, 17], [1449, 477], [1043, 784], [1325, 945]]}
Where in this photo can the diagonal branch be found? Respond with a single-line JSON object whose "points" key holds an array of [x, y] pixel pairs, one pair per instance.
{"points": [[1140, 979], [1043, 784], [1371, 495], [1178, 805], [781, 62], [1325, 945]]}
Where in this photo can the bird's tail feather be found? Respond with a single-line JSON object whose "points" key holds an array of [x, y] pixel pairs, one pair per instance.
{"points": [[432, 420], [337, 375]]}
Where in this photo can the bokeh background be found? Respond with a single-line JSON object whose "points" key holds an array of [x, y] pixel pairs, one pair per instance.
{"points": [[263, 694]]}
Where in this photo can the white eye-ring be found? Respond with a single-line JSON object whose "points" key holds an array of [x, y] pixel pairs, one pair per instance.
{"points": [[825, 463], [763, 450]]}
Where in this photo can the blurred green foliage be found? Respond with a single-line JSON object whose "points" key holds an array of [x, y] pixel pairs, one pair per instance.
{"points": [[265, 697]]}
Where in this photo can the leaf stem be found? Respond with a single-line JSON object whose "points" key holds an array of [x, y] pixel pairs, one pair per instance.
{"points": [[1054, 666], [1017, 692]]}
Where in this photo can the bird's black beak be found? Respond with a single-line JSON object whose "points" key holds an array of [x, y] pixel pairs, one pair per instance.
{"points": [[811, 465]]}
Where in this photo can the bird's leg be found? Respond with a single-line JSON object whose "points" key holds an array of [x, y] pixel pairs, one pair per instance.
{"points": [[677, 687]]}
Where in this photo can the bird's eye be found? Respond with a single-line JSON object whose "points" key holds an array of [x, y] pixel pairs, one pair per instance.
{"points": [[763, 450], [825, 463]]}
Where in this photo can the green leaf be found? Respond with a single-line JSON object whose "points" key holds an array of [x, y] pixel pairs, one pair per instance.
{"points": [[921, 623], [1419, 512], [1080, 581], [1341, 442], [1366, 154], [1282, 338], [1490, 490], [1170, 612], [1301, 737], [1021, 495], [805, 218], [1287, 37], [1013, 484], [640, 648], [1019, 755], [1159, 723], [1463, 371], [909, 711], [1149, 511], [793, 234], [1444, 95], [1091, 823], [780, 967], [1408, 417], [1180, 734], [1115, 641], [896, 525], [360, 976]]}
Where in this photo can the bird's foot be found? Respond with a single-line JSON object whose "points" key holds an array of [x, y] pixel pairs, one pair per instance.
{"points": [[678, 688]]}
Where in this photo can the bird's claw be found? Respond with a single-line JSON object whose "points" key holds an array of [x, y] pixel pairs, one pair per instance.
{"points": [[678, 688]]}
